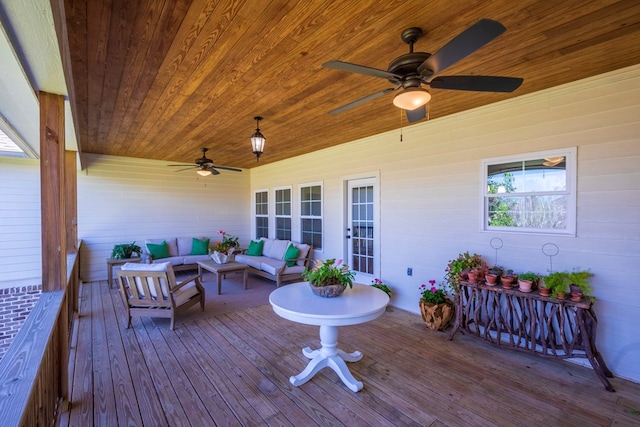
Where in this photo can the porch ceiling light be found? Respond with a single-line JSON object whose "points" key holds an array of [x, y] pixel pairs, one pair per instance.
{"points": [[257, 140]]}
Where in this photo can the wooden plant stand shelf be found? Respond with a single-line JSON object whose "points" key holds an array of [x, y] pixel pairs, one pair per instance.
{"points": [[527, 321]]}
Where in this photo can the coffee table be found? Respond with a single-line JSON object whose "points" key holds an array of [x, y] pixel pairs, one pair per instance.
{"points": [[220, 270], [296, 302]]}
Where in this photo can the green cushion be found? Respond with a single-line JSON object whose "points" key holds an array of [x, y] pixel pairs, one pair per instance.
{"points": [[158, 251], [255, 248], [199, 247], [291, 253]]}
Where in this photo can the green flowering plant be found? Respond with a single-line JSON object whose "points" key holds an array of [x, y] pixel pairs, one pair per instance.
{"points": [[329, 272], [377, 283], [228, 241], [433, 294]]}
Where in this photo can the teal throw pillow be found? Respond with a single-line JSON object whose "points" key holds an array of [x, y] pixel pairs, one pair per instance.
{"points": [[158, 251], [255, 248], [199, 247], [291, 253]]}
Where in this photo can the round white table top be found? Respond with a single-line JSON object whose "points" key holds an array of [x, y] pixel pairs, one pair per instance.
{"points": [[296, 302]]}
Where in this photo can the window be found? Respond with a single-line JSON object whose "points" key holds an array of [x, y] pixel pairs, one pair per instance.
{"points": [[531, 193], [262, 214], [283, 214], [311, 215]]}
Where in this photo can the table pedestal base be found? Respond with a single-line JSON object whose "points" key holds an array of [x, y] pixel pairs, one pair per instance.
{"points": [[329, 356]]}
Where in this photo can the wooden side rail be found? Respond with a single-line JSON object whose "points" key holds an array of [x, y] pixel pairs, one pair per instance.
{"points": [[34, 381], [527, 321]]}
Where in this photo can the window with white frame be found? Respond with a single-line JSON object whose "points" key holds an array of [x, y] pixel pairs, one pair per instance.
{"points": [[283, 213], [311, 215], [533, 192], [262, 213]]}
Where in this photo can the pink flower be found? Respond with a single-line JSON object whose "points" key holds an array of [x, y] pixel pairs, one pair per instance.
{"points": [[221, 232], [432, 282], [339, 262], [433, 289]]}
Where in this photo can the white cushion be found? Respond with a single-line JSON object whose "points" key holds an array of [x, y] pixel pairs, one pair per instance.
{"points": [[173, 260], [277, 249], [304, 251], [266, 247], [158, 267], [185, 293], [192, 259], [185, 244], [271, 266], [251, 261], [295, 269]]}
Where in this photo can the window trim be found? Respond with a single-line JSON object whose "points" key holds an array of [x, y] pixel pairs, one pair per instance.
{"points": [[255, 213], [320, 217], [571, 175], [291, 212]]}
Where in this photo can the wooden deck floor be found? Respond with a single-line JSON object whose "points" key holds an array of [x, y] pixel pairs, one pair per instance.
{"points": [[233, 369]]}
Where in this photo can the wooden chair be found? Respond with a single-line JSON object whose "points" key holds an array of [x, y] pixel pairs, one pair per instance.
{"points": [[151, 290]]}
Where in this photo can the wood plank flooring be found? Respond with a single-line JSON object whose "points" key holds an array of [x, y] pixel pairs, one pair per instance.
{"points": [[232, 369]]}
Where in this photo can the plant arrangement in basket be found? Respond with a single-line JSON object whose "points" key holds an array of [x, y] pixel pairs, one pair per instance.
{"points": [[433, 295], [227, 243], [377, 283], [329, 272], [125, 250]]}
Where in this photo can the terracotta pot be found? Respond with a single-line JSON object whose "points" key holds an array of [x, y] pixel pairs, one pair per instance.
{"points": [[437, 316], [525, 285], [545, 292], [472, 276], [492, 279], [561, 295], [576, 296], [507, 282]]}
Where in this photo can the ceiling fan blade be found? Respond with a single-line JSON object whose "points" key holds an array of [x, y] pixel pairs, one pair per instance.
{"points": [[417, 114], [185, 169], [213, 171], [477, 83], [225, 168], [362, 100], [464, 44], [360, 69], [184, 166]]}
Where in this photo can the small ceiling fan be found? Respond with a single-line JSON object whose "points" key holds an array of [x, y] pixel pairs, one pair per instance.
{"points": [[410, 71], [205, 166]]}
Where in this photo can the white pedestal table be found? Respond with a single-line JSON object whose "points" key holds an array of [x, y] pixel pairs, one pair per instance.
{"points": [[360, 304]]}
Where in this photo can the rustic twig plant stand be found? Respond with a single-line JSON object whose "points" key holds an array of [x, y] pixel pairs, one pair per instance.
{"points": [[527, 321]]}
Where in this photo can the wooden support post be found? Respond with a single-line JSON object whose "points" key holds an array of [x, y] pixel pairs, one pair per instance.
{"points": [[52, 194]]}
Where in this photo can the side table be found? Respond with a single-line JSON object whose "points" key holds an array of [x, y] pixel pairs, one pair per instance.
{"points": [[112, 262]]}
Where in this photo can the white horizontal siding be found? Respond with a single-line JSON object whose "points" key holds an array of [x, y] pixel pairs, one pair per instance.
{"points": [[122, 200], [20, 224], [430, 197]]}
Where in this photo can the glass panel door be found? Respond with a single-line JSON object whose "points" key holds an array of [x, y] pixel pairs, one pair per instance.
{"points": [[361, 230]]}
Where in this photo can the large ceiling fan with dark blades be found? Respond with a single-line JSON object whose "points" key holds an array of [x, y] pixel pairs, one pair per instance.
{"points": [[205, 166], [409, 72]]}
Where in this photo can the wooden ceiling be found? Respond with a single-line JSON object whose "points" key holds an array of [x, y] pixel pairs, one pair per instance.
{"points": [[159, 79]]}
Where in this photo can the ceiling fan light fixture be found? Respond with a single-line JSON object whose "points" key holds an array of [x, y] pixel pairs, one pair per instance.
{"points": [[412, 98], [552, 161], [257, 140], [204, 172]]}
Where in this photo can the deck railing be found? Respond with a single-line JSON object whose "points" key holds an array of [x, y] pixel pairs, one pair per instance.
{"points": [[34, 380]]}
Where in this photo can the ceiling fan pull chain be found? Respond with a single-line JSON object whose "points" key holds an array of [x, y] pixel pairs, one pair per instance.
{"points": [[401, 114]]}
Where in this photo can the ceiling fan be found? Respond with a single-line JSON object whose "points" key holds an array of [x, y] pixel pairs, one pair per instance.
{"points": [[205, 166], [410, 71]]}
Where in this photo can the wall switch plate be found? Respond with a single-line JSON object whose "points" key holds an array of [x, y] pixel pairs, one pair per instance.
{"points": [[409, 271]]}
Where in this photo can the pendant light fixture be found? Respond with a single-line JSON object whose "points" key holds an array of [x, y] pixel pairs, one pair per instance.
{"points": [[257, 140]]}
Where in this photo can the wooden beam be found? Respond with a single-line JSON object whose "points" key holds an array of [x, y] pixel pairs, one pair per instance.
{"points": [[71, 201], [52, 194]]}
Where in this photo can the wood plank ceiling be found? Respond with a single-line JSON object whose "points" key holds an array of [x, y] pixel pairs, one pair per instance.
{"points": [[158, 79]]}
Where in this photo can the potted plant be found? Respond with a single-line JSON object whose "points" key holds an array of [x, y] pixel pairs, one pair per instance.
{"points": [[526, 281], [435, 306], [329, 278], [508, 278], [377, 283], [493, 274], [125, 251], [579, 284], [223, 249], [555, 284], [459, 267]]}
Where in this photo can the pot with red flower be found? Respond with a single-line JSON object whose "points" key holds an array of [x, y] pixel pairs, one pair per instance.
{"points": [[436, 308]]}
